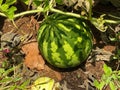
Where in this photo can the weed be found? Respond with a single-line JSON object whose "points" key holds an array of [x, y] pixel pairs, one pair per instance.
{"points": [[109, 78], [10, 80]]}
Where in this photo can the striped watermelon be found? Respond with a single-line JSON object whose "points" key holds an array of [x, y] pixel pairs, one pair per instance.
{"points": [[64, 41]]}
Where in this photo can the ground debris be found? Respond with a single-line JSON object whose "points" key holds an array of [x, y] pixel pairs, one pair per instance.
{"points": [[100, 54]]}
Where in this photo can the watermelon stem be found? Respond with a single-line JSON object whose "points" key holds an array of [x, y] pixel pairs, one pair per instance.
{"points": [[68, 13], [90, 10], [112, 21], [40, 9]]}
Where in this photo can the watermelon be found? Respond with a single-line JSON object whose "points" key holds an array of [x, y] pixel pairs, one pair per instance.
{"points": [[64, 41]]}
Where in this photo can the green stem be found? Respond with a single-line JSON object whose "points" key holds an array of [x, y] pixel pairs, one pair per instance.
{"points": [[90, 10], [2, 14], [28, 12], [14, 24], [24, 13], [68, 13], [108, 21], [83, 17], [114, 16], [112, 21], [40, 9]]}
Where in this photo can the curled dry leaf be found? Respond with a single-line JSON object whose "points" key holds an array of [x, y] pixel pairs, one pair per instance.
{"points": [[33, 59]]}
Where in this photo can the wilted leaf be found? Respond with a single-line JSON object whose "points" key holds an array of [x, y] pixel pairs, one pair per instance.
{"points": [[43, 83], [33, 59], [99, 23]]}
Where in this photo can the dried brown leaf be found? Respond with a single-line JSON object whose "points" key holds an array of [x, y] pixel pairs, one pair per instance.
{"points": [[33, 59]]}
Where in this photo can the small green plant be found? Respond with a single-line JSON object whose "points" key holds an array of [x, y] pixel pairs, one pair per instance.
{"points": [[109, 78], [10, 80], [7, 9]]}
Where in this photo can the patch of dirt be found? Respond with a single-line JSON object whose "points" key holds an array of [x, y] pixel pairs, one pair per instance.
{"points": [[24, 26]]}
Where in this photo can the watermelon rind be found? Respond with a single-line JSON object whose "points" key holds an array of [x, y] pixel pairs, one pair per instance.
{"points": [[64, 41]]}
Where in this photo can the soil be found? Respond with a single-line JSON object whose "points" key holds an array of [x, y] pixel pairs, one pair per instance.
{"points": [[79, 78]]}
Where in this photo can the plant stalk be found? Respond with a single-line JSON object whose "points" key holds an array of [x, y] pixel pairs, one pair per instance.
{"points": [[28, 12], [40, 9], [24, 13], [112, 21], [90, 10], [68, 13], [2, 14]]}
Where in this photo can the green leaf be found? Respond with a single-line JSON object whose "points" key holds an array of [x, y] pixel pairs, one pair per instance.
{"points": [[118, 75], [114, 76], [119, 72], [6, 80], [96, 83], [112, 86], [1, 2], [46, 5], [10, 2], [101, 85], [8, 71], [107, 70], [12, 87], [118, 84], [59, 1], [16, 79], [118, 52], [4, 7], [104, 77], [25, 1], [25, 83], [10, 12], [2, 70], [108, 79], [37, 2], [23, 86]]}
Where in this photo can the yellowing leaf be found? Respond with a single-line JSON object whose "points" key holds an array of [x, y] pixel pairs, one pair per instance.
{"points": [[43, 83]]}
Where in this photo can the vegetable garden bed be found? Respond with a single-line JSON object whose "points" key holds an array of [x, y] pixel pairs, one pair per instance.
{"points": [[22, 62]]}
